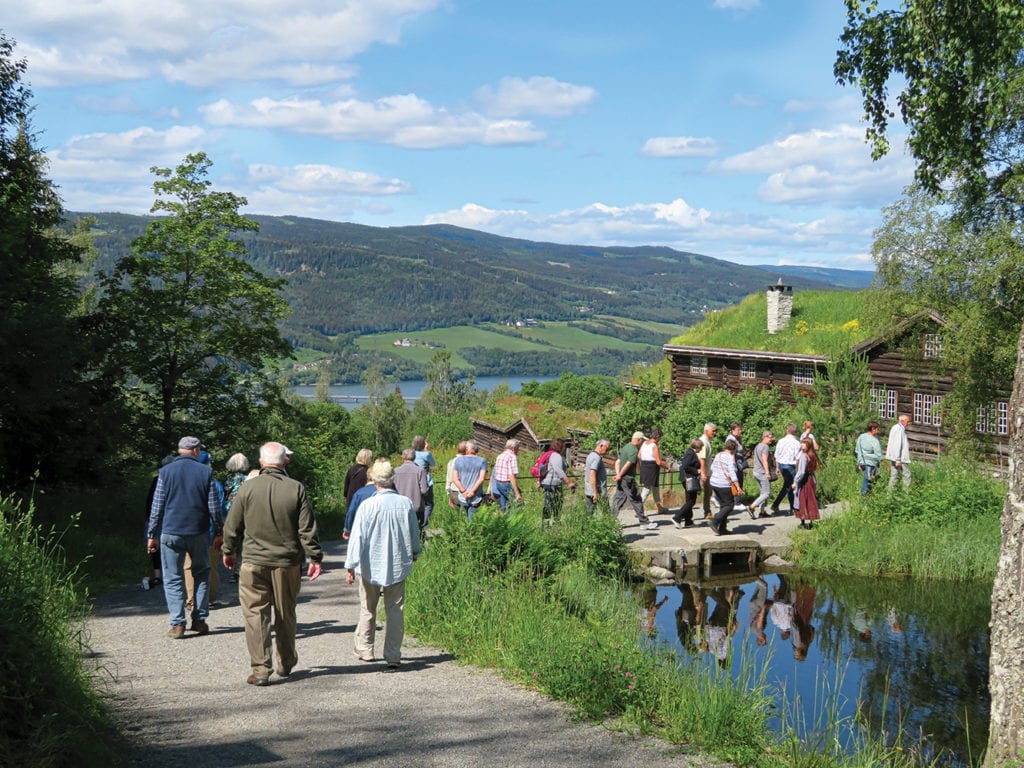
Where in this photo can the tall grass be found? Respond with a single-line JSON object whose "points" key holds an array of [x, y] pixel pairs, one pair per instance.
{"points": [[945, 526], [550, 607], [50, 714]]}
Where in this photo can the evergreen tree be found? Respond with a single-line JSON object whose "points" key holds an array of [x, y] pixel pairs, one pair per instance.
{"points": [[52, 407]]}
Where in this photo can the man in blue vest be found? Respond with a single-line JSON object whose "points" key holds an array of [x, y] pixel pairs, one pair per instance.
{"points": [[185, 506]]}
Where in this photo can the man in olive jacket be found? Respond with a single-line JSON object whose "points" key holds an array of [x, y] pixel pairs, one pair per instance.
{"points": [[272, 513]]}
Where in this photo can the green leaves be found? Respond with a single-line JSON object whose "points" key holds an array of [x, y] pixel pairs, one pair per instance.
{"points": [[192, 326]]}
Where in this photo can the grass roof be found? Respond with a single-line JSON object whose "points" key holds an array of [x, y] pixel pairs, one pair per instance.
{"points": [[546, 419], [821, 322]]}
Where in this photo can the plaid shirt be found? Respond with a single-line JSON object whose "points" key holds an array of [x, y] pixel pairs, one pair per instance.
{"points": [[505, 467]]}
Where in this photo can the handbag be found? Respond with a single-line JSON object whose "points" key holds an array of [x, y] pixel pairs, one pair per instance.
{"points": [[691, 483], [736, 490]]}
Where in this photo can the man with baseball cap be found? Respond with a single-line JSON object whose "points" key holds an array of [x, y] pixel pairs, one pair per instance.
{"points": [[185, 507]]}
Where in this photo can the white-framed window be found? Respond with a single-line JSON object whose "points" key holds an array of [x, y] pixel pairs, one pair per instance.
{"points": [[803, 373], [883, 402], [748, 369], [933, 346], [994, 418], [928, 409], [699, 366]]}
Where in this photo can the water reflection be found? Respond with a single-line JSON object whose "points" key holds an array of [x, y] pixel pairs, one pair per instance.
{"points": [[899, 654]]}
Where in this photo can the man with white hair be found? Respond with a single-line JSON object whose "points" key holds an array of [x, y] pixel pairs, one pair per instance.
{"points": [[385, 542], [470, 472], [411, 482], [506, 467], [272, 513]]}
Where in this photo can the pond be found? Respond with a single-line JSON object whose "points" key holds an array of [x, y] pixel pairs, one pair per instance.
{"points": [[908, 657]]}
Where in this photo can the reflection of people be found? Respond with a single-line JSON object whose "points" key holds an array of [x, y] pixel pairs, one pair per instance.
{"points": [[722, 622], [686, 614], [758, 607], [689, 478], [861, 625], [803, 610], [272, 513], [805, 484], [649, 613], [781, 611]]}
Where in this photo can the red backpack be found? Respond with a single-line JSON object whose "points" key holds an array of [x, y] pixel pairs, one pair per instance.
{"points": [[540, 466]]}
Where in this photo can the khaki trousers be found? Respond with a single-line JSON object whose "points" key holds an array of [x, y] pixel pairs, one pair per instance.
{"points": [[394, 624], [190, 582], [260, 588]]}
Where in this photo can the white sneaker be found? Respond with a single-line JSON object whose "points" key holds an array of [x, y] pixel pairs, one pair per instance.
{"points": [[652, 526], [146, 584]]}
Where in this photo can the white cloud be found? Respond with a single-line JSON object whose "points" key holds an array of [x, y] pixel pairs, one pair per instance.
{"points": [[324, 180], [403, 120], [538, 95], [739, 236], [679, 146], [738, 5], [820, 166], [202, 43]]}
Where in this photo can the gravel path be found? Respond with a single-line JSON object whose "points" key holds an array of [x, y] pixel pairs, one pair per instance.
{"points": [[186, 703]]}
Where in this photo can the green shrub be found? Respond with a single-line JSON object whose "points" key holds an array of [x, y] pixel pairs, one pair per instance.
{"points": [[49, 713]]}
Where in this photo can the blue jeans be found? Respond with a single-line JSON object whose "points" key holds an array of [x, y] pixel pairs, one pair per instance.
{"points": [[503, 491], [788, 472], [870, 473], [173, 549]]}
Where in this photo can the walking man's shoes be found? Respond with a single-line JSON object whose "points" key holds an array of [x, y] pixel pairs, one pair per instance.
{"points": [[200, 626], [259, 682], [177, 632]]}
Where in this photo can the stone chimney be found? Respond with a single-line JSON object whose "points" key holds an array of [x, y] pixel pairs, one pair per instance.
{"points": [[780, 306]]}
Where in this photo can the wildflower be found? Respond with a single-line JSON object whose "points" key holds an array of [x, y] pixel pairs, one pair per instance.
{"points": [[631, 687]]}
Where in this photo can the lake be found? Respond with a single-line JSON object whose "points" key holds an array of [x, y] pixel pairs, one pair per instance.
{"points": [[906, 656], [353, 395]]}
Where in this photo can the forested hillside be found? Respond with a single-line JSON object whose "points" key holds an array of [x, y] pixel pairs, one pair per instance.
{"points": [[353, 279]]}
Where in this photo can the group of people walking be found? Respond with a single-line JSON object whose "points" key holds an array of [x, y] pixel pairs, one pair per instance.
{"points": [[268, 535]]}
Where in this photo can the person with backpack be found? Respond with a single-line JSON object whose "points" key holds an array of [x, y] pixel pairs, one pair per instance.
{"points": [[554, 480], [625, 481]]}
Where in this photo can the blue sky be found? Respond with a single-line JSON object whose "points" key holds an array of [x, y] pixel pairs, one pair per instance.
{"points": [[712, 126]]}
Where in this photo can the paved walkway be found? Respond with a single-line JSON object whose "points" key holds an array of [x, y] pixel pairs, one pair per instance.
{"points": [[186, 703]]}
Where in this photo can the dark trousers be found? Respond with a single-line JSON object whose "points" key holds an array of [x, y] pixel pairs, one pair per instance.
{"points": [[627, 492], [726, 501], [788, 472]]}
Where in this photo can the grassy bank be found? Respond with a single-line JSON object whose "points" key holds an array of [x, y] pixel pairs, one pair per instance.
{"points": [[50, 712], [946, 526], [551, 608]]}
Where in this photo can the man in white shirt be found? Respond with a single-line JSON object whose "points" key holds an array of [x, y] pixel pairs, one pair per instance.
{"points": [[786, 453], [897, 451]]}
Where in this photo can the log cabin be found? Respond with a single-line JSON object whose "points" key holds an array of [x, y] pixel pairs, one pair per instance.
{"points": [[908, 375]]}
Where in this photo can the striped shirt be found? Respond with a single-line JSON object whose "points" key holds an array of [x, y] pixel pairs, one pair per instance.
{"points": [[505, 467]]}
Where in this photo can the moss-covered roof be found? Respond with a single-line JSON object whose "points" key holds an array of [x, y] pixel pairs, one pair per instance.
{"points": [[821, 322], [546, 419]]}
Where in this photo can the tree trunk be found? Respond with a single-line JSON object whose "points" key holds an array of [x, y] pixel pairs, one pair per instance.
{"points": [[1006, 665]]}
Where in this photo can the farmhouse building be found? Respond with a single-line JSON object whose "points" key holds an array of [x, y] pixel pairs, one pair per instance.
{"points": [[908, 374]]}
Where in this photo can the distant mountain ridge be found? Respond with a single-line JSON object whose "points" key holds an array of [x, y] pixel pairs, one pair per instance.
{"points": [[840, 278], [351, 278]]}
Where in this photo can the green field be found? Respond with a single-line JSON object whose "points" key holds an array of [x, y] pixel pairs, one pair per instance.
{"points": [[545, 337]]}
